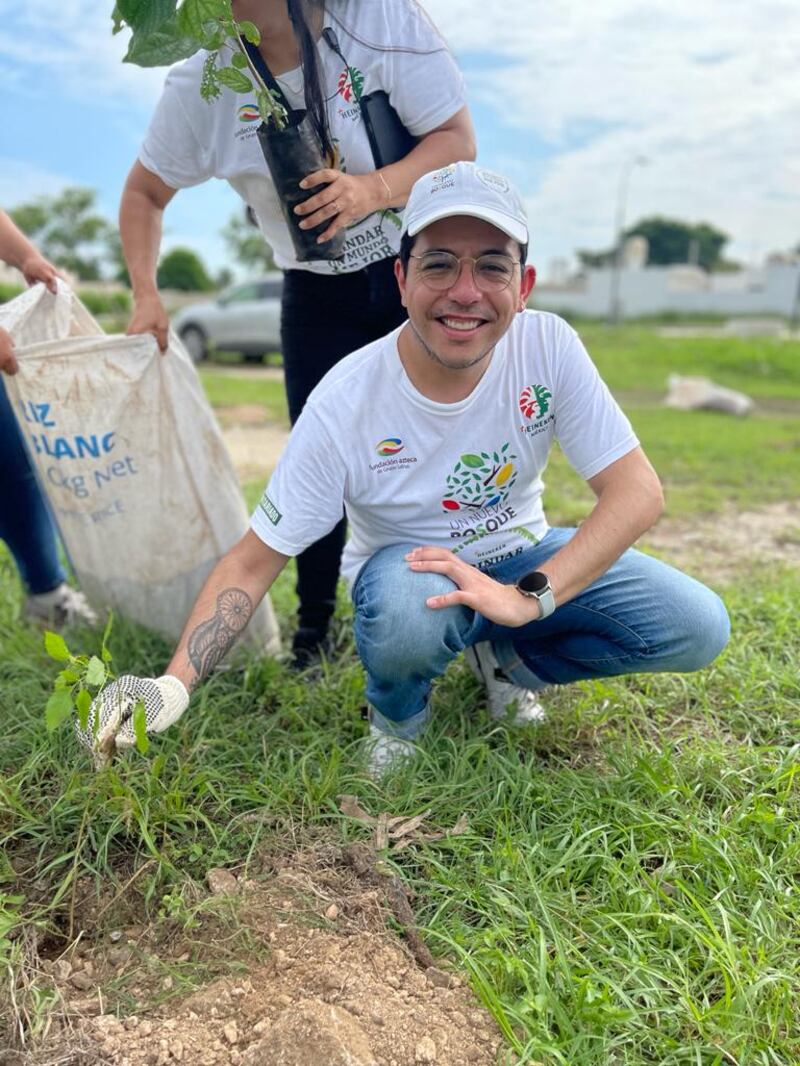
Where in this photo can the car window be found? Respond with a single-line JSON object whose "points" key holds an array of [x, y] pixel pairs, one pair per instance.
{"points": [[271, 290], [244, 292]]}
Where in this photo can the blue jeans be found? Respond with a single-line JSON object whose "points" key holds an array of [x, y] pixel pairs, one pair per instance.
{"points": [[641, 616], [25, 522]]}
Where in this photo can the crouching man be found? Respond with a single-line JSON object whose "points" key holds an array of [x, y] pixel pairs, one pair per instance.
{"points": [[434, 439]]}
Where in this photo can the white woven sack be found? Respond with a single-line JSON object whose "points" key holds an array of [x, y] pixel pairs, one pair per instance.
{"points": [[131, 458]]}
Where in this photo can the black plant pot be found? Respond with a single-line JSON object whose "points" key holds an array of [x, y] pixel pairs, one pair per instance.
{"points": [[291, 154]]}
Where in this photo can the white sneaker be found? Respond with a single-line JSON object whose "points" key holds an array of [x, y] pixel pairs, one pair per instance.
{"points": [[504, 696], [385, 752], [62, 606]]}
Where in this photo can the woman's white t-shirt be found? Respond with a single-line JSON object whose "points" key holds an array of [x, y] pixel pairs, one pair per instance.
{"points": [[465, 476], [388, 44]]}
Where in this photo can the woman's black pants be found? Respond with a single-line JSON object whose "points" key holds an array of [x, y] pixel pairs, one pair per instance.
{"points": [[323, 318]]}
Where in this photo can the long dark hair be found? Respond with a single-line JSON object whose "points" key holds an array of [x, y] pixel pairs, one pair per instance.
{"points": [[309, 58]]}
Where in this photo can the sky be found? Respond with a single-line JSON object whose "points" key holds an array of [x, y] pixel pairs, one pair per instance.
{"points": [[566, 96]]}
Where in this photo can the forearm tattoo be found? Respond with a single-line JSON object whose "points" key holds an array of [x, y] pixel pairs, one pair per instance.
{"points": [[210, 641]]}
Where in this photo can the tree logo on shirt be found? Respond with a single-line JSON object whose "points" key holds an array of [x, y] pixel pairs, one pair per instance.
{"points": [[389, 446], [350, 84], [249, 113], [534, 400], [480, 479]]}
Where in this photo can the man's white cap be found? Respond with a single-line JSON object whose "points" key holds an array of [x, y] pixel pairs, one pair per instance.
{"points": [[466, 189]]}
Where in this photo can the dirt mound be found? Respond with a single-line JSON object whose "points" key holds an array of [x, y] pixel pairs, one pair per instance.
{"points": [[322, 998], [329, 985]]}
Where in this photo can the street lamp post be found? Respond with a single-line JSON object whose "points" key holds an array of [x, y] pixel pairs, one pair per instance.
{"points": [[614, 306]]}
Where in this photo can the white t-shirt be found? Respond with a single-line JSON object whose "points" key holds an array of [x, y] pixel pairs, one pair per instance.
{"points": [[465, 476], [388, 44]]}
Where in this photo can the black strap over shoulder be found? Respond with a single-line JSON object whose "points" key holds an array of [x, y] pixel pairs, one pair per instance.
{"points": [[266, 74]]}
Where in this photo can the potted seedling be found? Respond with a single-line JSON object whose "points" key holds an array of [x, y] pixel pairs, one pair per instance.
{"points": [[166, 31]]}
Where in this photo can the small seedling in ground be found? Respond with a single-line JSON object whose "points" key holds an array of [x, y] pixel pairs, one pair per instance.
{"points": [[78, 683]]}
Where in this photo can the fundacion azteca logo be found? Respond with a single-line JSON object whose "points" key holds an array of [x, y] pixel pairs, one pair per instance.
{"points": [[249, 113], [389, 446]]}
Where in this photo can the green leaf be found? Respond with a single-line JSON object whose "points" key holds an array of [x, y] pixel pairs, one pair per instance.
{"points": [[95, 671], [105, 653], [67, 677], [58, 707], [235, 79], [116, 20], [83, 701], [194, 16], [140, 728], [239, 60], [56, 647], [160, 48], [145, 15], [472, 461], [249, 31]]}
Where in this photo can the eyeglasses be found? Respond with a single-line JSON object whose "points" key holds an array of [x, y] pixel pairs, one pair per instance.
{"points": [[491, 273]]}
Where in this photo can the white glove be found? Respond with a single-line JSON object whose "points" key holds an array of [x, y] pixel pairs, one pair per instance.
{"points": [[164, 698]]}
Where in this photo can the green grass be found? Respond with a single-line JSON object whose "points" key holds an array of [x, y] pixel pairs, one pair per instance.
{"points": [[627, 890], [225, 391], [636, 358]]}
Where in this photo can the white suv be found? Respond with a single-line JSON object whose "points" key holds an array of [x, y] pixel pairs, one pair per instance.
{"points": [[244, 318]]}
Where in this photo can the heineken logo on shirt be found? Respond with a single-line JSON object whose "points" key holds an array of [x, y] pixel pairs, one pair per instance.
{"points": [[350, 84], [534, 401], [480, 479]]}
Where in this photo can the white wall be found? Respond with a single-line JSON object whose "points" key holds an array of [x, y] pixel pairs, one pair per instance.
{"points": [[683, 289]]}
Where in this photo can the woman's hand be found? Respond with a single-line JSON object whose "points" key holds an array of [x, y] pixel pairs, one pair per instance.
{"points": [[8, 361], [149, 316], [36, 268], [346, 198], [499, 603]]}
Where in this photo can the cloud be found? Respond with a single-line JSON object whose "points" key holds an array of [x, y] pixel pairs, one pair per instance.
{"points": [[70, 46], [21, 182], [567, 93], [708, 92]]}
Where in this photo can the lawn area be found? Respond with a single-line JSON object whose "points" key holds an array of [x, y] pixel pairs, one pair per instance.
{"points": [[627, 889]]}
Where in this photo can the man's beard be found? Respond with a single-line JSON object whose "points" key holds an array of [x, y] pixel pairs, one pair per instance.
{"points": [[434, 357]]}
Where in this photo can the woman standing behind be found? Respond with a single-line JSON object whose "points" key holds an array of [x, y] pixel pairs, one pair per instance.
{"points": [[330, 307]]}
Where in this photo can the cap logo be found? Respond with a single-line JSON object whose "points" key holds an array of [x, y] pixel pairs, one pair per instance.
{"points": [[495, 182]]}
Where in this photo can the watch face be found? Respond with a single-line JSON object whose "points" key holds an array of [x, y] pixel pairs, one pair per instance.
{"points": [[535, 582]]}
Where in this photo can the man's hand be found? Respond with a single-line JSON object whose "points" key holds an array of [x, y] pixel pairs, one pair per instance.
{"points": [[36, 268], [346, 198], [499, 603], [8, 361], [149, 316], [110, 723]]}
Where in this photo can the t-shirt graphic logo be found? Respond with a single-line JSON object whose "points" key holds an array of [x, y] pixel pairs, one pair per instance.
{"points": [[389, 446], [249, 113], [482, 479], [351, 82], [534, 400]]}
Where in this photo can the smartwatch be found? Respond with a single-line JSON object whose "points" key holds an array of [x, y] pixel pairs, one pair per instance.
{"points": [[536, 586]]}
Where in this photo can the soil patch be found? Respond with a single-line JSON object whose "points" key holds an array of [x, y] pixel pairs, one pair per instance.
{"points": [[718, 547], [330, 985], [254, 449]]}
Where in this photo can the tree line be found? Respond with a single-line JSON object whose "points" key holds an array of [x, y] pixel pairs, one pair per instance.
{"points": [[670, 241], [71, 232]]}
